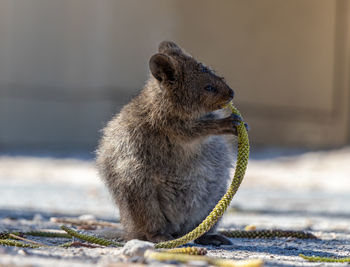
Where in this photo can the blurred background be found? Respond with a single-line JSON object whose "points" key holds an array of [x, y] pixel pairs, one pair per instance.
{"points": [[66, 66]]}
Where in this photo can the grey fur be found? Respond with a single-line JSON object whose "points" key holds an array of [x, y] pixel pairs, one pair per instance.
{"points": [[164, 157]]}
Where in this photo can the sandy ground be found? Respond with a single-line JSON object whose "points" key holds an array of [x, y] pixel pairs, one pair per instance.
{"points": [[295, 191]]}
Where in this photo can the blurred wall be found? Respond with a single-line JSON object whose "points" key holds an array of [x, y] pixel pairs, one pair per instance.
{"points": [[287, 60], [67, 65]]}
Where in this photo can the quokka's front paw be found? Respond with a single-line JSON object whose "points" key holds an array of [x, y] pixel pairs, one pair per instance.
{"points": [[232, 122], [236, 121]]}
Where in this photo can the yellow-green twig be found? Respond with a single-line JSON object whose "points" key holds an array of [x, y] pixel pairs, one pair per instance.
{"points": [[47, 234], [14, 243], [6, 235], [26, 240], [324, 259], [266, 234], [91, 239], [164, 256], [188, 250]]}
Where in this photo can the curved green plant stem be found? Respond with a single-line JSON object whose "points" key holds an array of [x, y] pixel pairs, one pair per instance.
{"points": [[6, 235], [47, 234], [165, 256], [188, 250], [67, 244], [267, 234], [91, 239], [324, 259], [13, 243]]}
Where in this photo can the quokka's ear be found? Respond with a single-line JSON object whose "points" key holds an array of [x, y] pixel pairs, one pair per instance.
{"points": [[166, 46], [162, 68]]}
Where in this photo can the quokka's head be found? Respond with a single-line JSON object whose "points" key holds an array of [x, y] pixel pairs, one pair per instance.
{"points": [[191, 86]]}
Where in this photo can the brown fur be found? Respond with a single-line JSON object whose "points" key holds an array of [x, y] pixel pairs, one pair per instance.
{"points": [[163, 157]]}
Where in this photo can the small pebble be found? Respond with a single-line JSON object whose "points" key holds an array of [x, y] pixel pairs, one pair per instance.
{"points": [[136, 248], [38, 217], [22, 252]]}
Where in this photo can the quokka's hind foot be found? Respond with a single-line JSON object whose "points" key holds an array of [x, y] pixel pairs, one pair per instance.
{"points": [[159, 238], [213, 239]]}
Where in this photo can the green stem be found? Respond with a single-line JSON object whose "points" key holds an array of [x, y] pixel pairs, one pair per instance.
{"points": [[324, 259], [267, 234], [13, 243], [6, 235], [91, 239]]}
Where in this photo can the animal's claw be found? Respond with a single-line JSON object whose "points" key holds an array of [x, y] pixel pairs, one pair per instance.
{"points": [[236, 120]]}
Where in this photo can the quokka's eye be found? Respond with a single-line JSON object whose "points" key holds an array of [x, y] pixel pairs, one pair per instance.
{"points": [[211, 88]]}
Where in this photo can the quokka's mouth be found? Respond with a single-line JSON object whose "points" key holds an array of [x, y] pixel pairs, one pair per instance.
{"points": [[221, 105], [226, 104]]}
